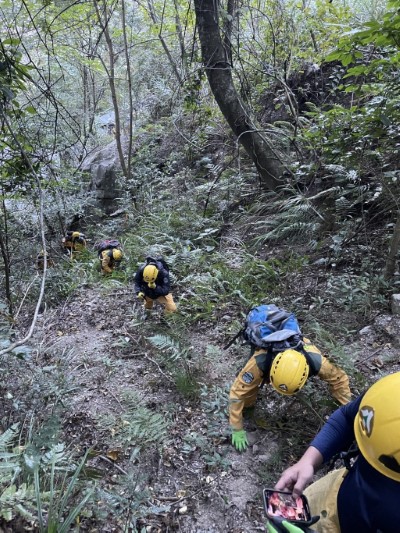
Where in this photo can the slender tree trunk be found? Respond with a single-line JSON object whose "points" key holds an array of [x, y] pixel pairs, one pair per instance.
{"points": [[219, 73], [163, 43], [111, 80], [5, 254], [391, 260], [181, 39], [129, 75]]}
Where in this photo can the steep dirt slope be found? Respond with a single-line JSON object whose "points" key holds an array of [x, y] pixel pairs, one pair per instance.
{"points": [[97, 350], [88, 330]]}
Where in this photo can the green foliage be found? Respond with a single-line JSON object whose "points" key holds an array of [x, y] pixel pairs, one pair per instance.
{"points": [[182, 202], [182, 363], [186, 384], [129, 502], [358, 293], [214, 405], [37, 482], [172, 351], [65, 503], [380, 32], [137, 427], [13, 72]]}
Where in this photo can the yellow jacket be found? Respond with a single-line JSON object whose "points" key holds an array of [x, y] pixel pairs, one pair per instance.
{"points": [[107, 261], [245, 388]]}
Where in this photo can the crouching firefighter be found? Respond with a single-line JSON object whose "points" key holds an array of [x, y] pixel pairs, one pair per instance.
{"points": [[152, 283], [283, 358], [73, 243], [110, 255]]}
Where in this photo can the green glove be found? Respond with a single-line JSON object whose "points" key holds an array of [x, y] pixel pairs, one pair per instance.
{"points": [[239, 439], [140, 295], [280, 525], [276, 525]]}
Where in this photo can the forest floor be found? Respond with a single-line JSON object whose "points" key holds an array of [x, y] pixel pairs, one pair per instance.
{"points": [[96, 344]]}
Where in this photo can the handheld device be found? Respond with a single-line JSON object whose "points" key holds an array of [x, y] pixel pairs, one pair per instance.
{"points": [[280, 504]]}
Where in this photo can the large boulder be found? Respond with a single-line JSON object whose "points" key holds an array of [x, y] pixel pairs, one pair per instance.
{"points": [[104, 168]]}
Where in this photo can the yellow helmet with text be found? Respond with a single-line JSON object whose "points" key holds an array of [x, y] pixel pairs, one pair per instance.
{"points": [[289, 372], [150, 273], [377, 426]]}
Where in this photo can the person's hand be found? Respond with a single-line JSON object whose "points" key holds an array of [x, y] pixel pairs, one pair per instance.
{"points": [[239, 439], [141, 295], [296, 478]]}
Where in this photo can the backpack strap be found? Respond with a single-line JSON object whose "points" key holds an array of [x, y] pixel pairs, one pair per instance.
{"points": [[345, 457], [314, 365], [238, 334], [264, 363]]}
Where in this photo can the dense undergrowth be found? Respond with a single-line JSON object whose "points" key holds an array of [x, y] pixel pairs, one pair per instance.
{"points": [[318, 246], [220, 268]]}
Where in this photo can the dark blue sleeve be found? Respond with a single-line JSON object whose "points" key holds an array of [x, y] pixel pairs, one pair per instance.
{"points": [[139, 286], [338, 432], [162, 282]]}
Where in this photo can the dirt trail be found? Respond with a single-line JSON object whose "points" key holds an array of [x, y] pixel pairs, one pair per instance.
{"points": [[105, 353], [99, 334]]}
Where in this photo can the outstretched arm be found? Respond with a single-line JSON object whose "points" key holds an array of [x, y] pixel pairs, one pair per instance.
{"points": [[337, 380], [297, 477], [139, 281], [244, 392], [335, 436]]}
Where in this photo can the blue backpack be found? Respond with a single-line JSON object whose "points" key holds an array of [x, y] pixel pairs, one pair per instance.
{"points": [[269, 326]]}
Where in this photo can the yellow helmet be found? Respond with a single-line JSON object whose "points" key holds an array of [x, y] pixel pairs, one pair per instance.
{"points": [[377, 426], [150, 274], [117, 254], [289, 371]]}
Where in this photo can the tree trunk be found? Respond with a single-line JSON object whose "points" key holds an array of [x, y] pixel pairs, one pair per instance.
{"points": [[130, 99], [5, 253], [219, 74], [111, 80], [391, 260], [163, 42]]}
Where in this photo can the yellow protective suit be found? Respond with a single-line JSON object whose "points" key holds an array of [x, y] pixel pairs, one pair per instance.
{"points": [[108, 263], [245, 388], [74, 242], [167, 301], [322, 497]]}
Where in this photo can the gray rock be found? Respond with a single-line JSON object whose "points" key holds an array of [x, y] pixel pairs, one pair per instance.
{"points": [[368, 330], [103, 166], [389, 326], [396, 304]]}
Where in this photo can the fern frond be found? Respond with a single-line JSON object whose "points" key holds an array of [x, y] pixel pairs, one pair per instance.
{"points": [[164, 342], [15, 501], [343, 206], [137, 425], [8, 437], [170, 348]]}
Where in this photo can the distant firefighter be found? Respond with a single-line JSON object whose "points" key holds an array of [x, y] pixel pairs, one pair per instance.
{"points": [[73, 243], [40, 260], [152, 283], [110, 255]]}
